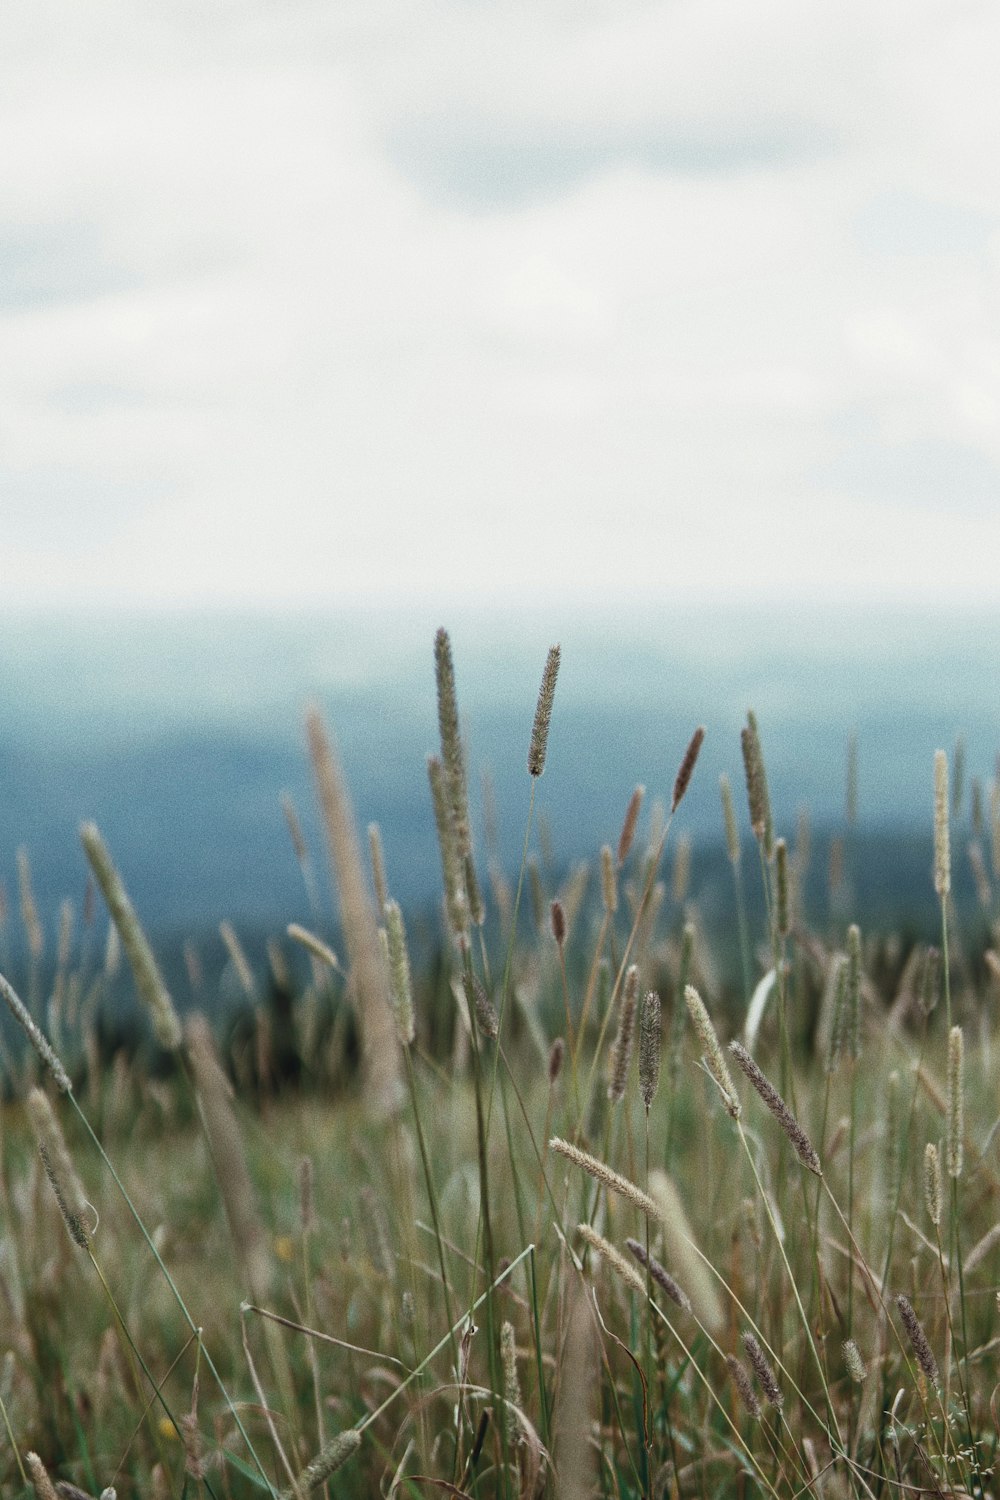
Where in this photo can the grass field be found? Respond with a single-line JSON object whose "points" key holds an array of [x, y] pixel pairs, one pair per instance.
{"points": [[518, 1222]]}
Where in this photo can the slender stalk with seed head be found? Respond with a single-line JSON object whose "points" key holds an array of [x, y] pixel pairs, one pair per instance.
{"points": [[712, 1051], [942, 863], [148, 980]]}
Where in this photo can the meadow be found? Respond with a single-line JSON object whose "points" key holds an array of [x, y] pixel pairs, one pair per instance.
{"points": [[591, 1199]]}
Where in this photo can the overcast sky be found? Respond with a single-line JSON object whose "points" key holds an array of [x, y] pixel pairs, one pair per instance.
{"points": [[366, 300]]}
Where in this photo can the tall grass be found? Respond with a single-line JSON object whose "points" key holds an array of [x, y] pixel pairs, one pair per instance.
{"points": [[441, 1261]]}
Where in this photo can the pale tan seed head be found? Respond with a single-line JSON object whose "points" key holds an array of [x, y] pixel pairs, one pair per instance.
{"points": [[602, 1173], [711, 1050], [45, 1051], [333, 1456], [77, 1213], [613, 1256], [942, 845], [856, 1366], [932, 1182], [400, 980], [43, 1486], [149, 981]]}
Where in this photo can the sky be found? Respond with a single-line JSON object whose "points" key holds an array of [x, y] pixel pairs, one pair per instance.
{"points": [[370, 303]]}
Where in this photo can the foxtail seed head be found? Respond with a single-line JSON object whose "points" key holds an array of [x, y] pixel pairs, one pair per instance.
{"points": [[148, 980], [932, 1182], [543, 714], [687, 765], [610, 1179], [452, 753], [918, 1339], [40, 1043], [508, 1360], [627, 835], [59, 1168], [711, 1050], [613, 1256], [650, 1046], [400, 980], [804, 1148], [741, 1380], [485, 1011], [855, 1363], [762, 1369], [942, 844], [333, 1455], [757, 792], [660, 1275]]}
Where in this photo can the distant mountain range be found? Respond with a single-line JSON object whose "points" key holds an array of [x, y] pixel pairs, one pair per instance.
{"points": [[179, 735]]}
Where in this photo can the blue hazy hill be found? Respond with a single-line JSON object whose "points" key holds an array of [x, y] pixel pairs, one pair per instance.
{"points": [[179, 735]]}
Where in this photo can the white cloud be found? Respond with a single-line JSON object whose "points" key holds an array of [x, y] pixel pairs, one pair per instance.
{"points": [[498, 302]]}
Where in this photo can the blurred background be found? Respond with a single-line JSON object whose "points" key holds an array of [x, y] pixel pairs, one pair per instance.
{"points": [[668, 331]]}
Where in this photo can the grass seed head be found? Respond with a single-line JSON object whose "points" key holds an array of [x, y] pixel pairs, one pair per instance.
{"points": [[804, 1148], [660, 1275], [650, 1046], [543, 714], [333, 1456], [59, 1168], [762, 1369], [932, 1182], [400, 979], [452, 752], [42, 1046], [686, 769], [613, 1256], [627, 835], [918, 1340], [602, 1173], [711, 1050], [149, 981], [857, 1369], [744, 1386], [942, 844]]}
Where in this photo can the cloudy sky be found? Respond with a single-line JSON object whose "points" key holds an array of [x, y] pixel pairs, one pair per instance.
{"points": [[366, 300]]}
